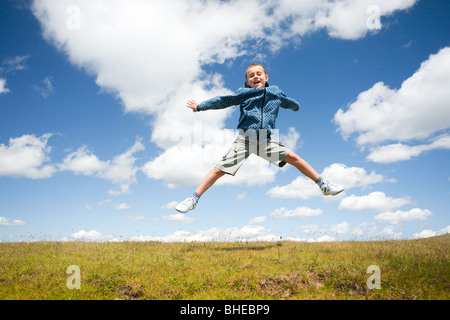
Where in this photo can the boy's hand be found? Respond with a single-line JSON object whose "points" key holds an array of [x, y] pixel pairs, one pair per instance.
{"points": [[192, 105]]}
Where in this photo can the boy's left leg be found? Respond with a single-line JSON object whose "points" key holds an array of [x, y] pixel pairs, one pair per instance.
{"points": [[328, 188], [211, 178], [229, 164], [303, 166]]}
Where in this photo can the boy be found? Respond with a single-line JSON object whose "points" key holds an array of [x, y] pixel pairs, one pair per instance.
{"points": [[259, 104]]}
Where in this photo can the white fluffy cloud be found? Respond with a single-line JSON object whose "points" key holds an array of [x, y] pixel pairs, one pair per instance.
{"points": [[319, 239], [290, 139], [400, 152], [10, 222], [170, 205], [340, 228], [135, 45], [431, 233], [258, 233], [179, 166], [375, 201], [83, 162], [246, 233], [122, 206], [147, 50], [352, 177], [369, 231], [26, 156], [257, 220], [425, 234], [348, 177], [310, 229], [398, 216], [29, 156], [299, 212], [179, 217], [299, 188], [121, 170], [152, 54], [418, 110], [93, 236], [354, 18], [3, 88]]}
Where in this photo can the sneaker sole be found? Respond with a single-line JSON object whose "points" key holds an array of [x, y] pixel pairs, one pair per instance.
{"points": [[334, 194]]}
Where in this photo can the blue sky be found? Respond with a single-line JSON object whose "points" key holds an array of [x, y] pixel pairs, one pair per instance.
{"points": [[96, 143]]}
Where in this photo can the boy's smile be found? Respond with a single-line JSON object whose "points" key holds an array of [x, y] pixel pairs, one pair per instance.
{"points": [[257, 77]]}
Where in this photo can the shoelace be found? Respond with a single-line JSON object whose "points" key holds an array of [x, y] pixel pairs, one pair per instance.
{"points": [[325, 185], [190, 202]]}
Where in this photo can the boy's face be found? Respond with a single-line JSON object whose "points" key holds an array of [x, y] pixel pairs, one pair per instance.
{"points": [[256, 77]]}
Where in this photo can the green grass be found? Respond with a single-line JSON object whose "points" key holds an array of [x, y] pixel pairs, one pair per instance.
{"points": [[410, 269]]}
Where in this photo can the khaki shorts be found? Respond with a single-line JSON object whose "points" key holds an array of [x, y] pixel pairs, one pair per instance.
{"points": [[243, 147]]}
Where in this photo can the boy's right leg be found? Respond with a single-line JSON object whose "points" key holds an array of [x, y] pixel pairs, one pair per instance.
{"points": [[191, 202], [328, 188], [211, 178], [302, 166]]}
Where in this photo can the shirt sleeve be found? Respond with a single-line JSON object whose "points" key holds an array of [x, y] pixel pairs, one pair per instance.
{"points": [[220, 102], [288, 103]]}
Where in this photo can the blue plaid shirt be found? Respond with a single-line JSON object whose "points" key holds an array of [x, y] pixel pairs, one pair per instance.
{"points": [[259, 107]]}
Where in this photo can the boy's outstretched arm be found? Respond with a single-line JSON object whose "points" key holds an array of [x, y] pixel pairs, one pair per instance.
{"points": [[192, 105], [219, 102], [289, 103]]}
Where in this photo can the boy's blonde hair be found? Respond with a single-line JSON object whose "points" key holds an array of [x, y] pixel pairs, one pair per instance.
{"points": [[255, 65]]}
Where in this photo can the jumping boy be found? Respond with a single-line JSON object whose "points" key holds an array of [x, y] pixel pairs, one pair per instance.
{"points": [[259, 105]]}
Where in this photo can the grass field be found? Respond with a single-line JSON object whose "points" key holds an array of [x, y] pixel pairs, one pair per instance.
{"points": [[409, 269]]}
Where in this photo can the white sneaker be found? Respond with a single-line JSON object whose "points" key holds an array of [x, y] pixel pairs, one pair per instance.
{"points": [[187, 205], [330, 189]]}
